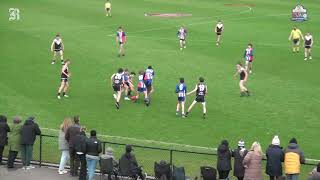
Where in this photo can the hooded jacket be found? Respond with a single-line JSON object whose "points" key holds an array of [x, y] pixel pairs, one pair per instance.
{"points": [[275, 158], [29, 131], [224, 158], [293, 158]]}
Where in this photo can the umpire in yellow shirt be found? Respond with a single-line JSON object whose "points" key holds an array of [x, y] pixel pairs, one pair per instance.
{"points": [[295, 36], [107, 7]]}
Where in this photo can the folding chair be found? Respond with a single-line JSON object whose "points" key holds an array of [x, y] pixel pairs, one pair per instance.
{"points": [[208, 173]]}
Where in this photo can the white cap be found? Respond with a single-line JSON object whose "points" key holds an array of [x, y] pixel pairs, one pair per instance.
{"points": [[276, 141]]}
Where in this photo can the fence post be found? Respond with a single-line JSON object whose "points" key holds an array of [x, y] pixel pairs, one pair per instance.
{"points": [[40, 151], [171, 157], [103, 147]]}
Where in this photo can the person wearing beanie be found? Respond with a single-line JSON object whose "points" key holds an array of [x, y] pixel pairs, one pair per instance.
{"points": [[224, 160], [293, 158], [14, 141], [239, 153], [275, 157], [315, 173], [128, 164], [4, 129]]}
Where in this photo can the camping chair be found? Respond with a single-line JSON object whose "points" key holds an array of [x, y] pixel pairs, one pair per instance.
{"points": [[208, 173], [107, 167], [162, 170]]}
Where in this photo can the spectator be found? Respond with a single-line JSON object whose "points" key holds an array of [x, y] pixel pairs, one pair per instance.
{"points": [[135, 170], [80, 149], [29, 131], [224, 160], [14, 141], [293, 158], [252, 163], [63, 145], [109, 155], [315, 173], [239, 155], [71, 133], [275, 158], [4, 129], [93, 149]]}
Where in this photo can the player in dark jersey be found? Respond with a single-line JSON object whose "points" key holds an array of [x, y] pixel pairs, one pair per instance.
{"points": [[65, 74], [117, 85], [308, 42], [126, 84], [241, 71], [201, 90], [57, 47], [218, 30]]}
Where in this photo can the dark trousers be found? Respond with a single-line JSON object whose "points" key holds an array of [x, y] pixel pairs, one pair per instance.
{"points": [[74, 162], [1, 152], [223, 174], [240, 178], [83, 166], [274, 177], [26, 154], [11, 158], [138, 173]]}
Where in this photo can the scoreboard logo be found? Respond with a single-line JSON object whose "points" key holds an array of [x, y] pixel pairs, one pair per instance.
{"points": [[299, 13]]}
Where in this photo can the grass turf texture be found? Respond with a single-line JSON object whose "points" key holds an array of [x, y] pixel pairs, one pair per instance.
{"points": [[284, 88]]}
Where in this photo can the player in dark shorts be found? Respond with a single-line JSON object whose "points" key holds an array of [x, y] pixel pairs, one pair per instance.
{"points": [[241, 71], [218, 30], [117, 85], [57, 48], [308, 46], [65, 74], [201, 90]]}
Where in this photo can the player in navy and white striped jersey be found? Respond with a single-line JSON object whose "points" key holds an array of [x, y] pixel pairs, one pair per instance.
{"points": [[201, 91], [181, 90], [148, 80], [57, 47], [182, 35]]}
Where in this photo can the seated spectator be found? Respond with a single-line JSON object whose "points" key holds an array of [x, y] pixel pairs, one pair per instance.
{"points": [[29, 131], [4, 129], [63, 145], [93, 149], [275, 158], [239, 154], [71, 133], [129, 163], [315, 173], [80, 149], [109, 155], [224, 160], [293, 158], [14, 141], [252, 163]]}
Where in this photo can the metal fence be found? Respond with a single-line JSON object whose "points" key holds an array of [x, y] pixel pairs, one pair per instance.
{"points": [[46, 152]]}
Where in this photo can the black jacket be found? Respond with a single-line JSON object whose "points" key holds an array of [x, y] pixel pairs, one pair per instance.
{"points": [[128, 164], [4, 129], [71, 133], [238, 169], [93, 146], [80, 142], [275, 157], [29, 131], [224, 158]]}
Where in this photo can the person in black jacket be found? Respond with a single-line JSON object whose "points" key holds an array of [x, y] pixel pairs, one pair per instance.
{"points": [[275, 157], [4, 129], [93, 147], [239, 154], [81, 149], [29, 131], [224, 160], [70, 135], [128, 159]]}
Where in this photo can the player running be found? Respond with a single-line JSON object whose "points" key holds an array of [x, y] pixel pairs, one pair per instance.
{"points": [[307, 46], [295, 36], [181, 90], [243, 79], [248, 56], [218, 30], [127, 83], [182, 34], [65, 74], [107, 7], [121, 40], [57, 47], [148, 80], [117, 85], [201, 90], [142, 88]]}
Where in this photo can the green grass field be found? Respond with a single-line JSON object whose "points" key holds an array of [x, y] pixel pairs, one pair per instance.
{"points": [[285, 89]]}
